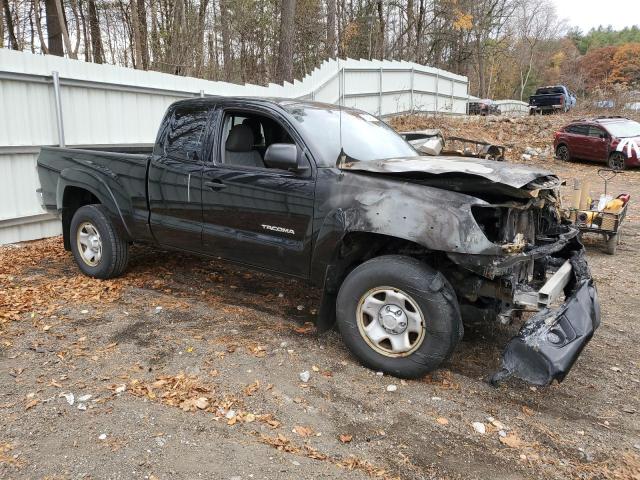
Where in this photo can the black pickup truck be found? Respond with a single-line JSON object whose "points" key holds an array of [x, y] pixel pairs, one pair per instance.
{"points": [[551, 99], [403, 246]]}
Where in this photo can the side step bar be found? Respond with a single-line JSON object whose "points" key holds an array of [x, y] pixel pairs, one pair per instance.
{"points": [[549, 292]]}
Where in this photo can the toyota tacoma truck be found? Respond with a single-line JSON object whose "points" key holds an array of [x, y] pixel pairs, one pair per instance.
{"points": [[403, 246]]}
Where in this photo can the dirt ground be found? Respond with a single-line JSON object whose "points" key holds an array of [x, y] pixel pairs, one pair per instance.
{"points": [[189, 368]]}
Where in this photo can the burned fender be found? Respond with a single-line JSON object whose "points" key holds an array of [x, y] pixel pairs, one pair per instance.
{"points": [[436, 219]]}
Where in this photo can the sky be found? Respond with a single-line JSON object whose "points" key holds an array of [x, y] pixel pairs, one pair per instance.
{"points": [[586, 14]]}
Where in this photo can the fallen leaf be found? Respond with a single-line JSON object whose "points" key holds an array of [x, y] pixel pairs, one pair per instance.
{"points": [[202, 403], [306, 328], [251, 388], [527, 411], [303, 431], [442, 421], [511, 441], [345, 438], [31, 404]]}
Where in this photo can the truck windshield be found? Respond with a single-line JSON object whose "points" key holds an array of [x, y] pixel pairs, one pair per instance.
{"points": [[361, 136], [624, 129]]}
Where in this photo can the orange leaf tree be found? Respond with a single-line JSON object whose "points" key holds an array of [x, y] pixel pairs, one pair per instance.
{"points": [[626, 64]]}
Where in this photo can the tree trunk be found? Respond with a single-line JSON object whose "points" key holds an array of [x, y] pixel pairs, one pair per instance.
{"points": [[381, 31], [155, 43], [13, 41], [144, 33], [135, 26], [285, 48], [37, 12], [1, 27], [199, 47], [226, 40], [410, 32], [330, 50], [63, 29], [85, 35], [96, 35], [74, 9]]}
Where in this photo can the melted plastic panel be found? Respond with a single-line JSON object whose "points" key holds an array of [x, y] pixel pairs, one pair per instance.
{"points": [[549, 343]]}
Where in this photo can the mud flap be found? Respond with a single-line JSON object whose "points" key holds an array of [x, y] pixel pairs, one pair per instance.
{"points": [[549, 343]]}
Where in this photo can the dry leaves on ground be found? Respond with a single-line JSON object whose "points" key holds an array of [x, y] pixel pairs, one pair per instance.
{"points": [[303, 431]]}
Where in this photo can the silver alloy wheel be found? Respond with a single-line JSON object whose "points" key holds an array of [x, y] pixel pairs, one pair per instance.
{"points": [[390, 321], [89, 244]]}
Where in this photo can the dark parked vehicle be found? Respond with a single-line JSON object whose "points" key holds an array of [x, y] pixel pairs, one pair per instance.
{"points": [[483, 107], [611, 140], [402, 245], [552, 99]]}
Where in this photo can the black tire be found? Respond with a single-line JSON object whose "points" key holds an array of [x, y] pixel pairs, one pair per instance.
{"points": [[427, 288], [114, 250], [617, 161], [562, 153]]}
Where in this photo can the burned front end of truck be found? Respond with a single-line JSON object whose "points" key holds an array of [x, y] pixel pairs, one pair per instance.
{"points": [[541, 275], [496, 232]]}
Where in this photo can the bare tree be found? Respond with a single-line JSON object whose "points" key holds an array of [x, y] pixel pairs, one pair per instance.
{"points": [[13, 41], [285, 48], [137, 38], [96, 35], [63, 28], [331, 29], [535, 21]]}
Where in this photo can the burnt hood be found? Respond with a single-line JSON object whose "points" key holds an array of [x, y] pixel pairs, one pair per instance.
{"points": [[462, 174]]}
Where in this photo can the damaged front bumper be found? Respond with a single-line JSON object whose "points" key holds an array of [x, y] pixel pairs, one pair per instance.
{"points": [[549, 343]]}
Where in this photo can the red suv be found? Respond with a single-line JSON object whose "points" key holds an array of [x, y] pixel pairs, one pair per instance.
{"points": [[613, 140]]}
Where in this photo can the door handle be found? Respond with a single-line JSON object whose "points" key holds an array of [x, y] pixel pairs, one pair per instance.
{"points": [[215, 185]]}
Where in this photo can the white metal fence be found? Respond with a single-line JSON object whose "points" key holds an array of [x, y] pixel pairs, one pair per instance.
{"points": [[48, 100], [512, 106]]}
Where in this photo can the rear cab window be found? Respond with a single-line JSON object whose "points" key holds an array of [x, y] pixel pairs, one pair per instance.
{"points": [[184, 133]]}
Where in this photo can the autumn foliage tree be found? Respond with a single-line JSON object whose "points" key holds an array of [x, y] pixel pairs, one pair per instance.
{"points": [[626, 65], [597, 65]]}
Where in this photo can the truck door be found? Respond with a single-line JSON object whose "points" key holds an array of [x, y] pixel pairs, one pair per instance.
{"points": [[253, 214], [175, 178]]}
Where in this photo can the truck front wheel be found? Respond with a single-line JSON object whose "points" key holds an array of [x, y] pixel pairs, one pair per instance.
{"points": [[399, 316], [97, 246]]}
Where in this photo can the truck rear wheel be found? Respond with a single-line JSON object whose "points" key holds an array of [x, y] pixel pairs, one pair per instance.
{"points": [[97, 246], [398, 315]]}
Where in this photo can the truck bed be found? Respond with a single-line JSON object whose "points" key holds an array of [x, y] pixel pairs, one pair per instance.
{"points": [[108, 171]]}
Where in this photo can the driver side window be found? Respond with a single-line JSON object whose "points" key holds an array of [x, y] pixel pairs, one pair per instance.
{"points": [[246, 136]]}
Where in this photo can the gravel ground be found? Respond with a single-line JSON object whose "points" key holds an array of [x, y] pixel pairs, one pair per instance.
{"points": [[193, 370]]}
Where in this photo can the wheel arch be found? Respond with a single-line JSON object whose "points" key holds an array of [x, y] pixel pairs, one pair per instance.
{"points": [[77, 188], [351, 250]]}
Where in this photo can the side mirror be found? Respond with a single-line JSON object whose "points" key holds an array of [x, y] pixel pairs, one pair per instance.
{"points": [[282, 155]]}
